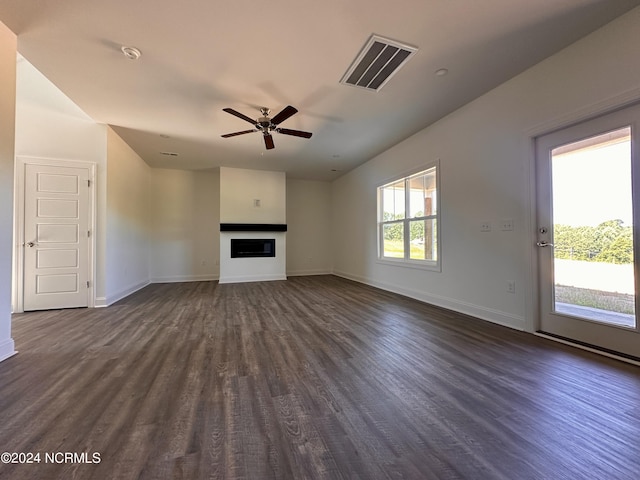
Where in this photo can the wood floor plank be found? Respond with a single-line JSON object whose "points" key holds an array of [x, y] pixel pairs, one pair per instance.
{"points": [[314, 377]]}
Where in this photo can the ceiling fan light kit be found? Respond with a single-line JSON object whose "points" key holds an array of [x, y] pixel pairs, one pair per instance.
{"points": [[267, 125]]}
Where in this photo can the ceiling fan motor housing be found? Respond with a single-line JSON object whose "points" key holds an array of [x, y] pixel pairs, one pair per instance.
{"points": [[264, 124]]}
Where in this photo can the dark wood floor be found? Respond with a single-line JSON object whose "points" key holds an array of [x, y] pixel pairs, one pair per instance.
{"points": [[315, 377]]}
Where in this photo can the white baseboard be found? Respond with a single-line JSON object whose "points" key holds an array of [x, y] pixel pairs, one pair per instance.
{"points": [[100, 302], [252, 278], [483, 313], [184, 278], [304, 273], [7, 349], [111, 299]]}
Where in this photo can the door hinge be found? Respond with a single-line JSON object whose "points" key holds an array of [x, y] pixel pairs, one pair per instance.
{"points": [[87, 283], [88, 233], [88, 183]]}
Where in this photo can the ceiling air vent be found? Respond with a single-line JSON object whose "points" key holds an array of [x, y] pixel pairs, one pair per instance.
{"points": [[377, 62]]}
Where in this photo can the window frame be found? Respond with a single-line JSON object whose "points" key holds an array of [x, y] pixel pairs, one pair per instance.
{"points": [[406, 261]]}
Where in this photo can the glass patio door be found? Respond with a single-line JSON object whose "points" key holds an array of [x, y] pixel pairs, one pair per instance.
{"points": [[587, 179]]}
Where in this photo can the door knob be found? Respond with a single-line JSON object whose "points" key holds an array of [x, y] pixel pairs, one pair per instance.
{"points": [[31, 244]]}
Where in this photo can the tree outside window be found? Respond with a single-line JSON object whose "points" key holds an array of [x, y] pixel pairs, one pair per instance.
{"points": [[408, 219]]}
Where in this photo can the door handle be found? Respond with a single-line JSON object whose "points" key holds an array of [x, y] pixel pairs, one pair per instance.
{"points": [[544, 244]]}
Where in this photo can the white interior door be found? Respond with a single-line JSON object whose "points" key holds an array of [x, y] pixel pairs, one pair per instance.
{"points": [[56, 235], [588, 191]]}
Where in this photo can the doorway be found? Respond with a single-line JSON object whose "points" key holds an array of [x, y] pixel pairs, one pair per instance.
{"points": [[54, 225], [587, 195]]}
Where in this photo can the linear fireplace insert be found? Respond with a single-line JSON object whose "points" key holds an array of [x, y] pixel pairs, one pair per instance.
{"points": [[253, 247]]}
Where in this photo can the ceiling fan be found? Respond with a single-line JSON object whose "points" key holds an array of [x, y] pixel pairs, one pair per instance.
{"points": [[267, 125]]}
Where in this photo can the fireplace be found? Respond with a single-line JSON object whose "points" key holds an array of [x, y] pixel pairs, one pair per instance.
{"points": [[253, 228], [253, 247], [257, 254]]}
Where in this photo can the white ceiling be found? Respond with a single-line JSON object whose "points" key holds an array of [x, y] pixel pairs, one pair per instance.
{"points": [[199, 57]]}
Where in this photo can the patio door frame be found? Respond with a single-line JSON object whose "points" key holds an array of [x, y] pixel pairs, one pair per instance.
{"points": [[628, 339]]}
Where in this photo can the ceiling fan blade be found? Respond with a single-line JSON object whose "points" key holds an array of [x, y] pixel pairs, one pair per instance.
{"points": [[284, 114], [268, 142], [295, 133], [238, 133], [239, 115]]}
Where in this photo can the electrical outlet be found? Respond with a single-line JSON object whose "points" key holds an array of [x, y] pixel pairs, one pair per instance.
{"points": [[511, 287], [485, 226], [506, 224]]}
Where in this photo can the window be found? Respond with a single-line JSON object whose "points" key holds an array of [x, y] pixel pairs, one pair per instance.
{"points": [[408, 220]]}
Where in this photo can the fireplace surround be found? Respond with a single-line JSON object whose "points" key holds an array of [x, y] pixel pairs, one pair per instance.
{"points": [[252, 207], [252, 252]]}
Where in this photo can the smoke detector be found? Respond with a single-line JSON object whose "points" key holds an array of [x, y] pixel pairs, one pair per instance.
{"points": [[132, 53]]}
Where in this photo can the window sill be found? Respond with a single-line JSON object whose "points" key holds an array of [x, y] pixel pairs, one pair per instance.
{"points": [[429, 266]]}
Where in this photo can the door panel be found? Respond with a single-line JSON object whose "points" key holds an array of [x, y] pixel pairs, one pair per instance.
{"points": [[587, 182], [56, 232]]}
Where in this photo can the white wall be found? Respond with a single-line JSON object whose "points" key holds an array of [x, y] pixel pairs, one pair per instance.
{"points": [[128, 220], [49, 125], [185, 216], [309, 227], [8, 45], [485, 152], [240, 187]]}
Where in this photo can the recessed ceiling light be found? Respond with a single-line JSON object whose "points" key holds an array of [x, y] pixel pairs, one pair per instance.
{"points": [[441, 72], [132, 53]]}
